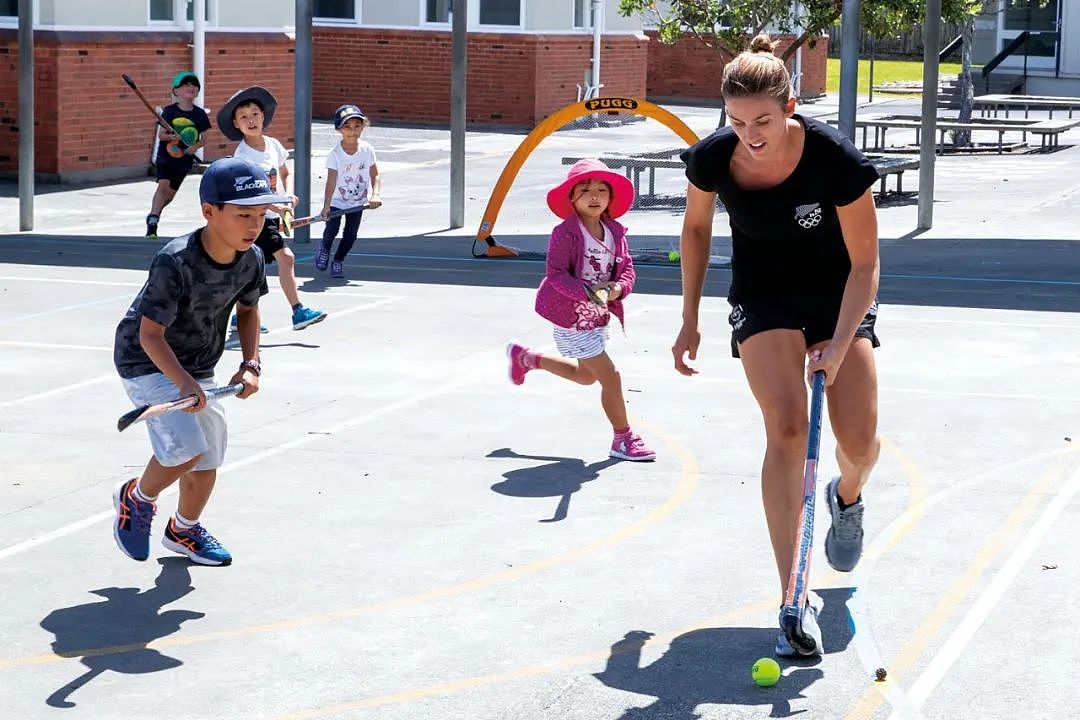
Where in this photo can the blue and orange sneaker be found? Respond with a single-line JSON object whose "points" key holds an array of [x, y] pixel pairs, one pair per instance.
{"points": [[133, 517], [195, 542]]}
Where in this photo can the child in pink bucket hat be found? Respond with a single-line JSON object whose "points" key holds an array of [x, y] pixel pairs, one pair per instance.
{"points": [[589, 275]]}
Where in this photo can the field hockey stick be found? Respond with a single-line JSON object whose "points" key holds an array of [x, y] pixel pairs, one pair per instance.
{"points": [[798, 583], [597, 295], [145, 412], [157, 116], [287, 226]]}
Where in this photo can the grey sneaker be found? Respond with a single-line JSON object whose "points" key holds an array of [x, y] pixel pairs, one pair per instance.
{"points": [[809, 626], [844, 541]]}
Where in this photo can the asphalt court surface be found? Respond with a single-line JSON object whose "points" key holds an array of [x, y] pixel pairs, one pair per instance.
{"points": [[417, 538]]}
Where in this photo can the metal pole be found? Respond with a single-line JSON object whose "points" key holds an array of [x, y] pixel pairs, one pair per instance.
{"points": [[597, 28], [198, 52], [458, 96], [26, 115], [849, 67], [797, 14], [928, 132], [302, 90]]}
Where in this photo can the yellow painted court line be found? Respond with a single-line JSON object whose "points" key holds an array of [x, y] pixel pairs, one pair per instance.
{"points": [[874, 695], [829, 579], [686, 486]]}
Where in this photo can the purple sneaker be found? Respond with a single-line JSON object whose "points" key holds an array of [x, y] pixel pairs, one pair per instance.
{"points": [[322, 258], [133, 517], [630, 446], [516, 355], [337, 270]]}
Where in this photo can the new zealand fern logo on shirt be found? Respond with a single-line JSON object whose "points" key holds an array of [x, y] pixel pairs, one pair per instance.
{"points": [[808, 216]]}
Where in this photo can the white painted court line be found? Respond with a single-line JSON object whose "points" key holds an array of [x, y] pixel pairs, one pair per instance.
{"points": [[67, 281], [383, 300], [60, 390], [473, 363], [54, 346], [57, 311], [858, 604], [987, 602]]}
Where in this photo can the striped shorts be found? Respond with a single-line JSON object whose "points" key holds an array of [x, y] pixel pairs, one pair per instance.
{"points": [[580, 344]]}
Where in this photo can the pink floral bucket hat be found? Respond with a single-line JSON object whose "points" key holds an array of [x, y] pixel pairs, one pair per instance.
{"points": [[622, 190]]}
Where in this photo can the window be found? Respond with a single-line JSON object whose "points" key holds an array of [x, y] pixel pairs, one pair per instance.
{"points": [[335, 9], [438, 11], [583, 13], [1031, 15], [9, 8], [165, 10], [500, 12]]}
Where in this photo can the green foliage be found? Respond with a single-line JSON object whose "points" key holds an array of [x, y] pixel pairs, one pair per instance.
{"points": [[728, 25]]}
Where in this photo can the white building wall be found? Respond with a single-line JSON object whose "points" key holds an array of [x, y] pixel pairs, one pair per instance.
{"points": [[115, 13], [1070, 38], [267, 14], [399, 13]]}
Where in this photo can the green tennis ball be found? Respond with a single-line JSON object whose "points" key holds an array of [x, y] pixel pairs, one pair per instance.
{"points": [[766, 672], [189, 135], [673, 256]]}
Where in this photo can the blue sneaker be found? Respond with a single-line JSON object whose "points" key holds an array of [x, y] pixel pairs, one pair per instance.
{"points": [[322, 258], [133, 517], [199, 545], [233, 326], [337, 270], [302, 317]]}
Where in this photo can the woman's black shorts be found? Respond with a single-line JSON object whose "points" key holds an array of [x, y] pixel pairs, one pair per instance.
{"points": [[814, 315]]}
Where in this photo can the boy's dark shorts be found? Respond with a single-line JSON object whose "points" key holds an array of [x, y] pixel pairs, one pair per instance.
{"points": [[270, 240], [815, 315], [174, 172]]}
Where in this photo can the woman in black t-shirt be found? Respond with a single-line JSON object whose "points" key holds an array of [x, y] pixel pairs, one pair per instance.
{"points": [[804, 279]]}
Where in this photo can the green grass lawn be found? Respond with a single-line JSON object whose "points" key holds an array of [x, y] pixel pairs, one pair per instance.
{"points": [[884, 71]]}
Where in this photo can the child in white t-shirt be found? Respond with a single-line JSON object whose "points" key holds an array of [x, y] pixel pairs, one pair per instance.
{"points": [[243, 117], [352, 183]]}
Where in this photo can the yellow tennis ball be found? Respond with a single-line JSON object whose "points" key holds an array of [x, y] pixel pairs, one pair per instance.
{"points": [[766, 672]]}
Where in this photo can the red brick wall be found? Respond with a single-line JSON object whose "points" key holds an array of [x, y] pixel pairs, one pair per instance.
{"points": [[689, 70], [89, 124], [513, 79]]}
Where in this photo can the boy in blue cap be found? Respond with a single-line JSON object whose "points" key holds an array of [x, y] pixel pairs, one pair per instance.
{"points": [[352, 181], [168, 345], [174, 155]]}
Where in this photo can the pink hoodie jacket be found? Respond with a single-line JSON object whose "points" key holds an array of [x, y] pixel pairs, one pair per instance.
{"points": [[561, 296]]}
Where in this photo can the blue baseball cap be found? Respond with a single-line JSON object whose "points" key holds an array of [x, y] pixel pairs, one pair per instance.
{"points": [[345, 113], [236, 181]]}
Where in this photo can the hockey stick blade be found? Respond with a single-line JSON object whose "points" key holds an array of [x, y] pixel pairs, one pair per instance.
{"points": [[598, 296], [145, 412]]}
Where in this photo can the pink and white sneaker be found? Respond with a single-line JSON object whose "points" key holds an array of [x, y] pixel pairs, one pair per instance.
{"points": [[516, 355], [630, 446]]}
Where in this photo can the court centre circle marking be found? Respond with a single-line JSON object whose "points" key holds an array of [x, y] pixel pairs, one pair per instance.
{"points": [[882, 543]]}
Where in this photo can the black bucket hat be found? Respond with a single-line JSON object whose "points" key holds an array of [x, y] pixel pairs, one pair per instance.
{"points": [[255, 93]]}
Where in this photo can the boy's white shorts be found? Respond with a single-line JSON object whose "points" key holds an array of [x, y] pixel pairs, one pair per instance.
{"points": [[179, 436]]}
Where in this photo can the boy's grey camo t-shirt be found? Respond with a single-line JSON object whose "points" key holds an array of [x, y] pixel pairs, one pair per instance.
{"points": [[192, 296]]}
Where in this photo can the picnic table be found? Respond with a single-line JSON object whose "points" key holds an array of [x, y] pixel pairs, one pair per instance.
{"points": [[987, 104], [1047, 130], [637, 165]]}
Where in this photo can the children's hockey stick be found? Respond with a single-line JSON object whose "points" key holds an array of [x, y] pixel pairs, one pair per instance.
{"points": [[145, 412], [597, 295], [288, 225], [179, 143], [798, 583]]}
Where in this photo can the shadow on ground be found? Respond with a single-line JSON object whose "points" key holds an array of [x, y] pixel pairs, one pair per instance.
{"points": [[1035, 274], [712, 666], [113, 635], [558, 477]]}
